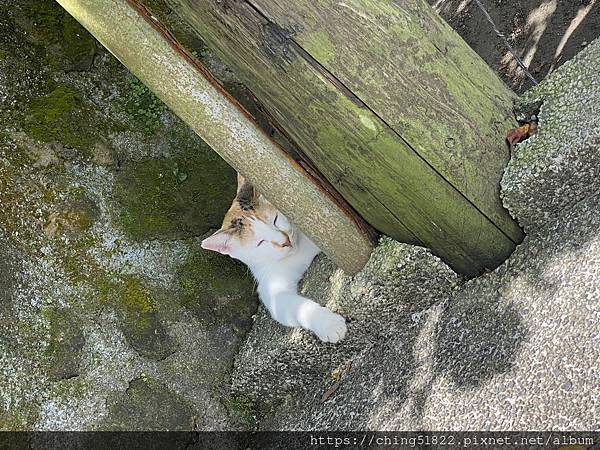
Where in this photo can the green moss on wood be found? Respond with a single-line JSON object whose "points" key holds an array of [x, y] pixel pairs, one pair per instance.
{"points": [[176, 26], [319, 46], [412, 135]]}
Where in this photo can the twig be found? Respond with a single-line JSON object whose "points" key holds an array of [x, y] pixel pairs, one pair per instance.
{"points": [[508, 46]]}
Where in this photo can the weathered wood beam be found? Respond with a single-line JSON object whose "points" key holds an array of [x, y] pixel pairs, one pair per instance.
{"points": [[389, 104], [187, 87]]}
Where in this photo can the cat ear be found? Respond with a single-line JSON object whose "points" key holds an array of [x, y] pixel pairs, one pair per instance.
{"points": [[240, 182], [246, 194], [218, 242]]}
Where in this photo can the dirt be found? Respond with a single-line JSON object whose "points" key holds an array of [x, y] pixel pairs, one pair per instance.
{"points": [[543, 33]]}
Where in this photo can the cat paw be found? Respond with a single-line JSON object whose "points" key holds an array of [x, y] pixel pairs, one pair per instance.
{"points": [[329, 326]]}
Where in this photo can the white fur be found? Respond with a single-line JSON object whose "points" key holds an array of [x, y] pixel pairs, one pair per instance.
{"points": [[278, 271]]}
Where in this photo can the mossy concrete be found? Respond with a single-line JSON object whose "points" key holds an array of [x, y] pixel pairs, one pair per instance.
{"points": [[54, 118], [60, 39], [224, 295], [102, 313], [149, 405], [176, 197], [143, 105], [141, 322], [65, 345]]}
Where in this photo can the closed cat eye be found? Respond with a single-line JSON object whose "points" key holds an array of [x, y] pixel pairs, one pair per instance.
{"points": [[258, 245], [275, 219]]}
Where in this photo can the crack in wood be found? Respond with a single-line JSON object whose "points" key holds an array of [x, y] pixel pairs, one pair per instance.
{"points": [[308, 165], [307, 168], [347, 92]]}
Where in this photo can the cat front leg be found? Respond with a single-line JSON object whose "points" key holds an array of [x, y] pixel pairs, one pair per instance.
{"points": [[327, 325], [293, 310]]}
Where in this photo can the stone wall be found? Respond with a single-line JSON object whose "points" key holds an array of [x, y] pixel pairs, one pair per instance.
{"points": [[108, 306]]}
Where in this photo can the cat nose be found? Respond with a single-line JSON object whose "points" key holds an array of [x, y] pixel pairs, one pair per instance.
{"points": [[287, 242]]}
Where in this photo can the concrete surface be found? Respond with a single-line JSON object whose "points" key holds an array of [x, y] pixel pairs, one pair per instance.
{"points": [[515, 349]]}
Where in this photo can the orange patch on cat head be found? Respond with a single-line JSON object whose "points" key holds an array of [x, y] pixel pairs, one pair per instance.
{"points": [[238, 219], [247, 206]]}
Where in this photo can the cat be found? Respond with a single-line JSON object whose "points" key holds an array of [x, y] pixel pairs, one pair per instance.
{"points": [[277, 254]]}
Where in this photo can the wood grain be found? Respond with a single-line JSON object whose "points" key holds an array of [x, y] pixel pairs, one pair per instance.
{"points": [[414, 143]]}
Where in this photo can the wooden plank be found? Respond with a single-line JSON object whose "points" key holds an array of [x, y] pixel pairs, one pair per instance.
{"points": [[364, 158], [187, 87], [416, 75]]}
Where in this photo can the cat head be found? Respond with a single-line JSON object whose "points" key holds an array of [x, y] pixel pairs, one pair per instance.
{"points": [[253, 231]]}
